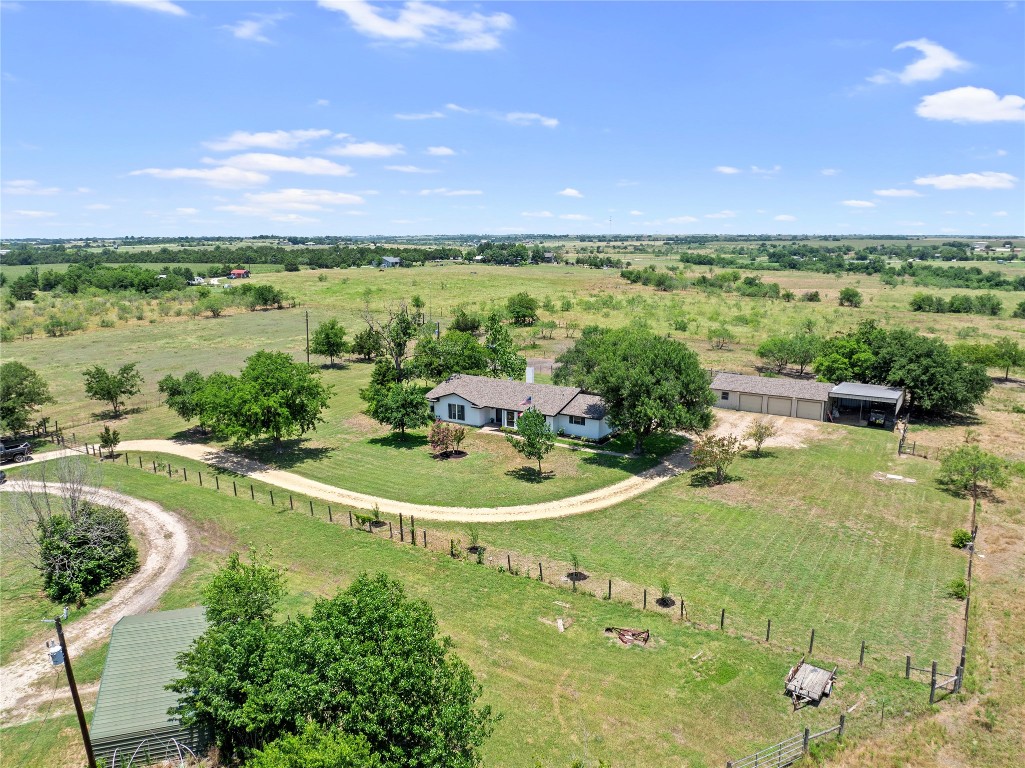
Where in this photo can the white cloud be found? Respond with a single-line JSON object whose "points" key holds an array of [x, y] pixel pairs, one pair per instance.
{"points": [[682, 220], [420, 22], [445, 192], [28, 187], [721, 215], [538, 214], [97, 207], [254, 28], [766, 171], [322, 103], [530, 118], [160, 6], [456, 108], [570, 192], [279, 205], [636, 213], [223, 176], [785, 217], [367, 149], [34, 214], [972, 105], [935, 61], [859, 204], [266, 139], [271, 163], [999, 213], [574, 217], [410, 169], [897, 192], [440, 151], [186, 211], [419, 115], [984, 180], [829, 171], [727, 169]]}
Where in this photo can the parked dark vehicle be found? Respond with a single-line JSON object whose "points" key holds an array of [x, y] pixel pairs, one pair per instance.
{"points": [[14, 451]]}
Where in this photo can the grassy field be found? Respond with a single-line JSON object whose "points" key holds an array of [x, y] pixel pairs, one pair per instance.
{"points": [[575, 695]]}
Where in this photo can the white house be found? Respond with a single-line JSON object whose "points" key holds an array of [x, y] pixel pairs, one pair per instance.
{"points": [[479, 401]]}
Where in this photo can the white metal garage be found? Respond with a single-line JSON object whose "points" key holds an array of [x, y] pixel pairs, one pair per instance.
{"points": [[777, 396]]}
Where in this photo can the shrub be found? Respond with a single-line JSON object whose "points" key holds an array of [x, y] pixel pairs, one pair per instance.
{"points": [[961, 538], [84, 554], [957, 589]]}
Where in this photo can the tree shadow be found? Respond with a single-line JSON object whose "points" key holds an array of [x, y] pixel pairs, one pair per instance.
{"points": [[951, 420], [192, 435], [395, 440], [337, 365], [765, 454], [290, 453], [706, 479], [530, 475], [631, 464]]}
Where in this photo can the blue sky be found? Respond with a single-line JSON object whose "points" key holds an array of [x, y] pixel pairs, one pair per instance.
{"points": [[346, 117]]}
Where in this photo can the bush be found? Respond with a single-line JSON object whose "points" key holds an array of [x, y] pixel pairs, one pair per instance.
{"points": [[85, 554], [957, 589], [961, 538]]}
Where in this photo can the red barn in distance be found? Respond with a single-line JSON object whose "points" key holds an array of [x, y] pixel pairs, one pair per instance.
{"points": [[238, 273]]}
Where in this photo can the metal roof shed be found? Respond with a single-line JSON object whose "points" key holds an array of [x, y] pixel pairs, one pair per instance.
{"points": [[131, 721], [868, 400]]}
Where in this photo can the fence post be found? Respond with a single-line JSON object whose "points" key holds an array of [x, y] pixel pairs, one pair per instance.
{"points": [[425, 538], [843, 722], [168, 469], [967, 601], [540, 573], [811, 642], [290, 504], [126, 452], [768, 629], [907, 667], [807, 738], [722, 619], [140, 462], [272, 497], [645, 605], [932, 685], [154, 467], [861, 659], [200, 479], [412, 530], [185, 473], [311, 507], [964, 656], [391, 532], [234, 487], [451, 547], [401, 530], [610, 589], [217, 482], [252, 493], [331, 520], [350, 518], [958, 675], [508, 562]]}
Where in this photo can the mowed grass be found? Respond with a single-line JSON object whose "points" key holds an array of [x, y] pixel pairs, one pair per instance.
{"points": [[804, 537], [692, 697]]}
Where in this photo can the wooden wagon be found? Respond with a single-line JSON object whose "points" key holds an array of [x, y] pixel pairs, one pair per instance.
{"points": [[807, 683]]}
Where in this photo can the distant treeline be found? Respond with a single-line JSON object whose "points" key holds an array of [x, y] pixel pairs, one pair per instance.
{"points": [[727, 281], [959, 303]]}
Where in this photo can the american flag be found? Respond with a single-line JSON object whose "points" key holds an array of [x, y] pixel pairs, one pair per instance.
{"points": [[529, 401]]}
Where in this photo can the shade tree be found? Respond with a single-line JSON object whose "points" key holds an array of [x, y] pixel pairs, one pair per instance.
{"points": [[329, 340], [534, 439], [112, 387], [22, 392]]}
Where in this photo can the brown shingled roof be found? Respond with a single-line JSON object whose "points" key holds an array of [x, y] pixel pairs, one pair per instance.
{"points": [[549, 399], [781, 387]]}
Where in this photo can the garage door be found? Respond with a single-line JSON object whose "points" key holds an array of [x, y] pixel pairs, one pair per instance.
{"points": [[779, 406], [751, 403], [809, 409]]}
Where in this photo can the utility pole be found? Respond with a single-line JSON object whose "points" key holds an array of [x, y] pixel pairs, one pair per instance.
{"points": [[307, 337], [74, 691]]}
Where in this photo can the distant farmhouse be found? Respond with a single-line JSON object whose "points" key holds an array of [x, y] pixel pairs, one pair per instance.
{"points": [[847, 403], [237, 274], [481, 401], [390, 261]]}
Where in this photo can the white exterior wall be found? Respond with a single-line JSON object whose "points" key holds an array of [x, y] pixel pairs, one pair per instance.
{"points": [[733, 403], [591, 429], [475, 417]]}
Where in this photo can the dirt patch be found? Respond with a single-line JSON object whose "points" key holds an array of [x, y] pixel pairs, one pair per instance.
{"points": [[793, 433]]}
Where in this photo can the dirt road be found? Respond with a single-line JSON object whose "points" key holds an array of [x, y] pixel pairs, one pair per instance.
{"points": [[164, 545]]}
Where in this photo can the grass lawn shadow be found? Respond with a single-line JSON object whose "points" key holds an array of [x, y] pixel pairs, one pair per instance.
{"points": [[530, 475], [706, 479], [395, 440]]}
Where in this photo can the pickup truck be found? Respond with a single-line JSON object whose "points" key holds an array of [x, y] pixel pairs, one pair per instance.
{"points": [[14, 451]]}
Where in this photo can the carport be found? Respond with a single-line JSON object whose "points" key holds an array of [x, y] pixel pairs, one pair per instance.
{"points": [[865, 404]]}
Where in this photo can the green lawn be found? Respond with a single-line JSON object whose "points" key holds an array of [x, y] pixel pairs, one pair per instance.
{"points": [[563, 696]]}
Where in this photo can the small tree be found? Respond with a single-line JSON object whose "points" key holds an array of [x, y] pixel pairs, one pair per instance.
{"points": [[1008, 354], [850, 297], [760, 431], [440, 438], [969, 469], [401, 405], [329, 340], [717, 454], [458, 434], [536, 438], [367, 344], [522, 308], [776, 351], [109, 439], [112, 387], [721, 337], [577, 574]]}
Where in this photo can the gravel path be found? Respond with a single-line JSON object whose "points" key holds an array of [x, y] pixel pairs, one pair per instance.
{"points": [[163, 542]]}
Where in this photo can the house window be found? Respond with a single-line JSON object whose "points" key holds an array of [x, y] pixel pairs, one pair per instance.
{"points": [[725, 395], [456, 412], [577, 420]]}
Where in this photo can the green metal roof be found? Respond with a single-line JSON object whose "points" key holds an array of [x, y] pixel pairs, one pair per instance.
{"points": [[140, 663]]}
